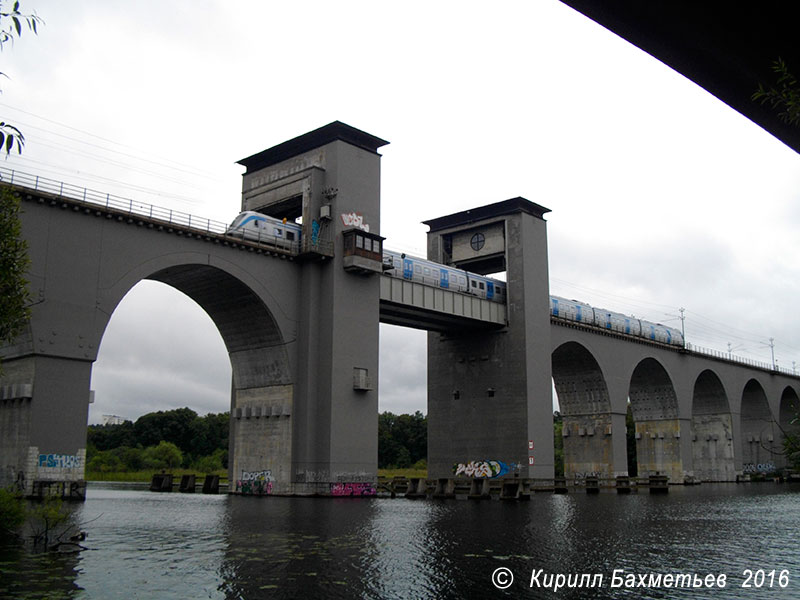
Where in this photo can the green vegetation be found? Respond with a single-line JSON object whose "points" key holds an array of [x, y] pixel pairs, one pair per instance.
{"points": [[784, 96], [402, 441], [14, 297], [160, 440], [558, 427], [11, 26], [181, 441], [12, 512], [48, 520]]}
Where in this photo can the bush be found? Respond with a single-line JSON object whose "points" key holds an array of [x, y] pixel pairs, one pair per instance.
{"points": [[104, 462], [132, 458], [12, 511], [164, 456], [212, 463]]}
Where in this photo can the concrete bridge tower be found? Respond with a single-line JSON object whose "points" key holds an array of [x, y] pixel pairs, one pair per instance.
{"points": [[490, 392], [330, 178]]}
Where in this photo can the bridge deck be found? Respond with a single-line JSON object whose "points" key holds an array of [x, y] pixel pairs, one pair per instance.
{"points": [[420, 306]]}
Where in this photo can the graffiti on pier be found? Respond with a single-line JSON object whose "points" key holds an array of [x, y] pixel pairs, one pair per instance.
{"points": [[767, 467], [353, 489], [64, 461], [257, 483], [354, 219], [484, 468]]}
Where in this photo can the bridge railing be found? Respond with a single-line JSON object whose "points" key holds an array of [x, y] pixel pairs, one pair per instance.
{"points": [[133, 207], [729, 356], [126, 205]]}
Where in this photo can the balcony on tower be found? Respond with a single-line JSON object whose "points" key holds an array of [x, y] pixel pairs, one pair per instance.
{"points": [[362, 252]]}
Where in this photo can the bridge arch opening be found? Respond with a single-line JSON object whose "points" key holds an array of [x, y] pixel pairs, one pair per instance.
{"points": [[585, 409], [654, 406], [789, 421], [712, 430], [259, 389], [760, 442]]}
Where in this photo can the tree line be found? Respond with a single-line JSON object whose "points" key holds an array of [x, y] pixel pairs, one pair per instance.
{"points": [[159, 440], [181, 438]]}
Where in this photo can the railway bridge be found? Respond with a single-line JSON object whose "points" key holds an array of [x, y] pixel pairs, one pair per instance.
{"points": [[300, 322]]}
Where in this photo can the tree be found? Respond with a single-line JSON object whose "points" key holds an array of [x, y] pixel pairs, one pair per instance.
{"points": [[172, 426], [14, 298], [12, 24], [783, 96], [14, 295], [12, 512], [108, 437], [164, 456], [402, 439]]}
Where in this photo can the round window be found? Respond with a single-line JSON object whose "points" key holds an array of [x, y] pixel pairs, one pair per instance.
{"points": [[477, 241]]}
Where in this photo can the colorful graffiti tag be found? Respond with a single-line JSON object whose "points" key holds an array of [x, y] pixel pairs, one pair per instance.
{"points": [[64, 461], [257, 483], [767, 467], [483, 468], [353, 489]]}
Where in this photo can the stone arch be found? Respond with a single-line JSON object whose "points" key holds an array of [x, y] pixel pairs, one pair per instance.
{"points": [[654, 405], [585, 409], [760, 442], [254, 340], [262, 388], [712, 430]]}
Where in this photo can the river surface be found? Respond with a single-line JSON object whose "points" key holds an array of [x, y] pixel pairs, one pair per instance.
{"points": [[143, 544]]}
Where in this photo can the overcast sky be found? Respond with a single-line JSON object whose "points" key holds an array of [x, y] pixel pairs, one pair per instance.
{"points": [[662, 197]]}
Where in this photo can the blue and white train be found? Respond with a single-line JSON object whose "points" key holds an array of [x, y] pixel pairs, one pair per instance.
{"points": [[254, 226], [257, 227], [443, 276], [580, 312]]}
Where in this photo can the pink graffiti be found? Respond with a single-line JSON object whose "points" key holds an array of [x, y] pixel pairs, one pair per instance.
{"points": [[352, 489]]}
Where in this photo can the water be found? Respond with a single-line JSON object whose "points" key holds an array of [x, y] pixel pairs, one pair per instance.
{"points": [[161, 546]]}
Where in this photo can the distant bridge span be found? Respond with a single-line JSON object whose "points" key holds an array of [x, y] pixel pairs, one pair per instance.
{"points": [[300, 324]]}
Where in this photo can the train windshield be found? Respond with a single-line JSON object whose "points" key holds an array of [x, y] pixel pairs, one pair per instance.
{"points": [[237, 222]]}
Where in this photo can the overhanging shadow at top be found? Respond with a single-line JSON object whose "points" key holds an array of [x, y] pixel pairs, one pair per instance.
{"points": [[728, 48]]}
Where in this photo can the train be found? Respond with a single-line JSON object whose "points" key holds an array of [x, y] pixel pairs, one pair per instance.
{"points": [[258, 227], [254, 226], [583, 313], [430, 273]]}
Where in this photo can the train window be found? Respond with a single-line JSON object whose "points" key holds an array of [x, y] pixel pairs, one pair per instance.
{"points": [[277, 232], [480, 285], [427, 271], [290, 236], [462, 280], [474, 283], [417, 269]]}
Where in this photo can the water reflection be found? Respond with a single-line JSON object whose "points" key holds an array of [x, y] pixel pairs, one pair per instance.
{"points": [[147, 545]]}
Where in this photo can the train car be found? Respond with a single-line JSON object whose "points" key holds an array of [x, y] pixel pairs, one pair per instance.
{"points": [[580, 312], [434, 274], [254, 226], [618, 322], [571, 310], [661, 333]]}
